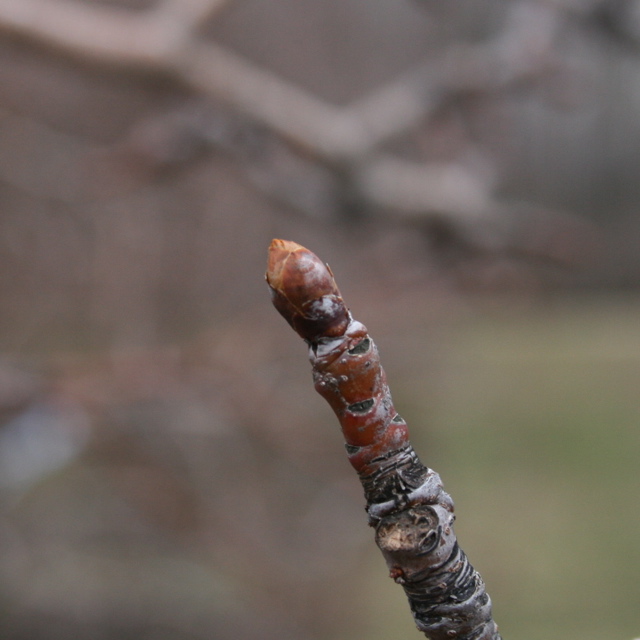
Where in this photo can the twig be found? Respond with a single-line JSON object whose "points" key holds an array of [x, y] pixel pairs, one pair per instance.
{"points": [[406, 501]]}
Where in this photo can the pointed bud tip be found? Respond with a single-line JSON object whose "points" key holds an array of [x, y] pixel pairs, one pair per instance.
{"points": [[304, 292], [278, 244], [279, 252]]}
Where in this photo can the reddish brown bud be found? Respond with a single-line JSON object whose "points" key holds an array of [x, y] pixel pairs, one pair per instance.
{"points": [[304, 292]]}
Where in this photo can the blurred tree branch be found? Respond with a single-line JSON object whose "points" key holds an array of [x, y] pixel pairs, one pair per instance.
{"points": [[345, 162]]}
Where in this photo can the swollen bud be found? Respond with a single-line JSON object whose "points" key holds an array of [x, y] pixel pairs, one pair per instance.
{"points": [[304, 292]]}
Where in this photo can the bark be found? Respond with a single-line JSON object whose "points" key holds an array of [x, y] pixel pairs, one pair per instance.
{"points": [[406, 502]]}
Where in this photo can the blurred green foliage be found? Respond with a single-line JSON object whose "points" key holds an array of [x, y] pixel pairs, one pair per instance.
{"points": [[536, 434]]}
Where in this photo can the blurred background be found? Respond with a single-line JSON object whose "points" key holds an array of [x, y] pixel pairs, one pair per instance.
{"points": [[471, 171]]}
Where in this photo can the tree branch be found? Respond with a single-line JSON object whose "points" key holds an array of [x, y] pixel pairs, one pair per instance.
{"points": [[164, 39], [345, 143], [406, 501]]}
